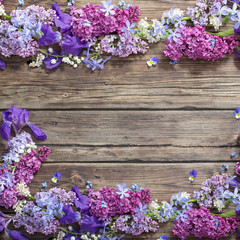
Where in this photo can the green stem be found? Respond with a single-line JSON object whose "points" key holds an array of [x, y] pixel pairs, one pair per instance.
{"points": [[186, 19], [226, 19], [226, 33], [64, 230], [46, 53], [6, 16], [226, 215], [192, 201], [31, 197]]}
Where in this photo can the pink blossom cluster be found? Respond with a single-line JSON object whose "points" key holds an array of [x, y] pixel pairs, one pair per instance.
{"points": [[90, 21], [24, 171], [107, 202], [195, 43], [201, 223]]}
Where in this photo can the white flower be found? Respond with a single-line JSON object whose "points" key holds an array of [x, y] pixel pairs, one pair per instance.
{"points": [[50, 50], [75, 65], [22, 189], [215, 22], [18, 207], [2, 10], [79, 61], [218, 204], [53, 61]]}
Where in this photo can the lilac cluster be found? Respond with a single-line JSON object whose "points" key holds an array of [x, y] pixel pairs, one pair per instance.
{"points": [[203, 10], [42, 215], [123, 45], [237, 168], [195, 43], [201, 223], [21, 173], [210, 189], [110, 202], [136, 225]]}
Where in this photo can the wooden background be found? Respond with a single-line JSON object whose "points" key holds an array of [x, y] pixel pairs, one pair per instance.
{"points": [[128, 123]]}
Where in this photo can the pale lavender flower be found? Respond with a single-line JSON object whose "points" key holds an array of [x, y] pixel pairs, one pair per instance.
{"points": [[129, 29], [141, 210], [107, 7], [122, 190], [174, 35]]}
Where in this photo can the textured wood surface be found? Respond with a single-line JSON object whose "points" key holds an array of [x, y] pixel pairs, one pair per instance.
{"points": [[129, 123]]}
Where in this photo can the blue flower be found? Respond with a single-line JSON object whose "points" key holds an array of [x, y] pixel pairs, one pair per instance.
{"points": [[179, 200], [181, 215], [71, 2], [192, 175], [216, 222], [122, 4], [134, 187], [171, 17], [88, 185], [141, 210], [221, 11], [224, 168], [21, 2], [237, 113], [173, 62], [129, 28], [236, 18], [169, 209], [107, 7], [153, 61], [174, 35], [44, 184], [162, 237], [233, 155], [122, 190], [56, 177], [103, 204]]}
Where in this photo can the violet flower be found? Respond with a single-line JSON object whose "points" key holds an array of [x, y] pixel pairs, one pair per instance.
{"points": [[107, 7], [2, 64], [56, 177], [69, 215], [141, 210], [51, 61], [72, 45], [62, 20], [129, 28], [17, 235], [4, 221], [49, 36], [89, 223], [81, 201], [16, 119], [122, 190], [192, 175]]}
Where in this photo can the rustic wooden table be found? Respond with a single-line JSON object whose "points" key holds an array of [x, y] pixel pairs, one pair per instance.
{"points": [[128, 123]]}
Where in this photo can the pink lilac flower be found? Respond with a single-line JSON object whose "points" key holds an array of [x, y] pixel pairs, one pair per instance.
{"points": [[201, 223], [123, 46], [195, 43], [237, 168], [135, 226]]}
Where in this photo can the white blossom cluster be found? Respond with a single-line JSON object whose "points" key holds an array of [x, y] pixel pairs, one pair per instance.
{"points": [[73, 61], [2, 10], [215, 22], [217, 203], [38, 62], [18, 207], [22, 189]]}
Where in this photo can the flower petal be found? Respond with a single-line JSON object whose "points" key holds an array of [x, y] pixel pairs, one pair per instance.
{"points": [[70, 216], [37, 132], [17, 235], [6, 130], [2, 64]]}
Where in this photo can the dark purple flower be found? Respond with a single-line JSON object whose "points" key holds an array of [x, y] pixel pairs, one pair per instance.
{"points": [[16, 118], [89, 223], [4, 219], [72, 45], [17, 235], [52, 61], [238, 54], [81, 201], [2, 64], [69, 215], [49, 36], [62, 20], [69, 235]]}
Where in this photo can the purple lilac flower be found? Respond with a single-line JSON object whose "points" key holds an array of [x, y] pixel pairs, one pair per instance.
{"points": [[122, 190], [56, 177], [2, 64], [192, 175], [17, 235], [135, 226], [107, 8], [201, 223], [62, 20], [16, 119], [49, 37]]}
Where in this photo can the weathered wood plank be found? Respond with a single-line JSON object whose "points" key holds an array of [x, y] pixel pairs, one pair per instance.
{"points": [[138, 128], [85, 154], [163, 179], [124, 83]]}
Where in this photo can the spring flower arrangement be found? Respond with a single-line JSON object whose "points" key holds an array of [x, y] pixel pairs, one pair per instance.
{"points": [[108, 213], [94, 33]]}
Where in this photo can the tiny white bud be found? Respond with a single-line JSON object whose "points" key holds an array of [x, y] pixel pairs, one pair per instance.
{"points": [[50, 50], [75, 65], [53, 61]]}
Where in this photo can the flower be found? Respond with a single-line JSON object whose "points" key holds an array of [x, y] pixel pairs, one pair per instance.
{"points": [[224, 168], [56, 177], [15, 119], [141, 210], [17, 235], [49, 37], [192, 175], [153, 61], [162, 237], [88, 185], [237, 113], [122, 190], [81, 201], [4, 220], [2, 64], [107, 7], [53, 64], [69, 215], [129, 28]]}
